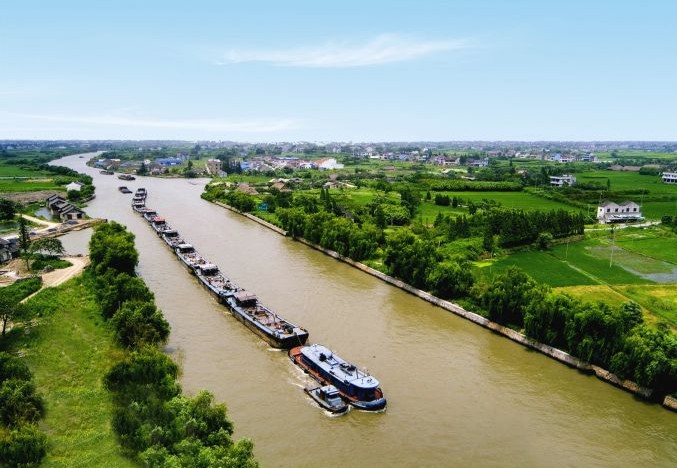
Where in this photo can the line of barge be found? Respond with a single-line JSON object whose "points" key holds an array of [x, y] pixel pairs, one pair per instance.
{"points": [[245, 306]]}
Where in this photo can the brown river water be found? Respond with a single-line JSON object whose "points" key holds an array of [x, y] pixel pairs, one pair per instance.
{"points": [[458, 395]]}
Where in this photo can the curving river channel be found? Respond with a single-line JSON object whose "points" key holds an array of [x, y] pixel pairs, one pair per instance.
{"points": [[458, 395]]}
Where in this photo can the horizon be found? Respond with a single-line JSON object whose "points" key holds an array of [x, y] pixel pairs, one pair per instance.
{"points": [[265, 72]]}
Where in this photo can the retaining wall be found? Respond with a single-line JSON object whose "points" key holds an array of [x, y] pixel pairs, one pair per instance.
{"points": [[555, 353]]}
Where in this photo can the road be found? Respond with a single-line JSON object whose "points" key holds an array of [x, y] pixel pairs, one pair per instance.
{"points": [[624, 226], [60, 276]]}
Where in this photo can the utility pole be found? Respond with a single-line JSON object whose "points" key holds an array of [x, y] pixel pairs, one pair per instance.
{"points": [[613, 239]]}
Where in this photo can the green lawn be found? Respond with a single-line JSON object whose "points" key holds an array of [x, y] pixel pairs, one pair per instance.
{"points": [[69, 352]]}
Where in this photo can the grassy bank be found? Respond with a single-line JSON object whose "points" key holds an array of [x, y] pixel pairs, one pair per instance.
{"points": [[69, 352]]}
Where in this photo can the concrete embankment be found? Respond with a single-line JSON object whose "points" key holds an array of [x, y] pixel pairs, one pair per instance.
{"points": [[555, 353]]}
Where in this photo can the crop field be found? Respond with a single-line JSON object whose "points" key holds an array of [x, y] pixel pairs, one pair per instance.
{"points": [[541, 266], [27, 185], [658, 248], [621, 180], [7, 170], [622, 155], [644, 269]]}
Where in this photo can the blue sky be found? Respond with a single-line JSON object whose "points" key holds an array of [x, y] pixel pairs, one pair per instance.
{"points": [[348, 71]]}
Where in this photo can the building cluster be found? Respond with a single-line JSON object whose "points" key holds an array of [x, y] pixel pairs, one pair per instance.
{"points": [[58, 206], [272, 163]]}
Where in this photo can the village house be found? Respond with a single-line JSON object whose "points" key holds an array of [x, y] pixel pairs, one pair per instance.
{"points": [[214, 166], [610, 212], [74, 186], [328, 164], [58, 206], [8, 248], [561, 181], [669, 177], [244, 187]]}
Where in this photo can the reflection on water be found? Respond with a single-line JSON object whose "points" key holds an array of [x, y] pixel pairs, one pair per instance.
{"points": [[458, 395]]}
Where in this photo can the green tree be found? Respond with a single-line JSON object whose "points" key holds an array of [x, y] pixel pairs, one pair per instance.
{"points": [[49, 245], [11, 311], [24, 239], [19, 404], [507, 296], [450, 280], [23, 447], [140, 323], [7, 209]]}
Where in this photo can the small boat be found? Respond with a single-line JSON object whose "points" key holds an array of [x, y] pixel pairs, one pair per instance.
{"points": [[356, 386], [328, 397], [141, 191], [106, 172], [149, 215], [126, 177], [275, 330], [124, 189]]}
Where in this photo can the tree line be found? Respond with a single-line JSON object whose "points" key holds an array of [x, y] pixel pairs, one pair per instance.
{"points": [[21, 406], [614, 338], [151, 417]]}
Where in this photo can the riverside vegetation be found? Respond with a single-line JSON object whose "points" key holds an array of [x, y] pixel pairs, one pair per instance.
{"points": [[386, 232], [151, 416], [93, 345]]}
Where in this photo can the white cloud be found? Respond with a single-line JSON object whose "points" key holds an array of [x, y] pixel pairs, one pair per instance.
{"points": [[383, 49], [213, 125]]}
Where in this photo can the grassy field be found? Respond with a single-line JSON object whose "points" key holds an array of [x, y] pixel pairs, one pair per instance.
{"points": [[622, 180], [69, 352], [29, 185], [622, 155], [659, 248]]}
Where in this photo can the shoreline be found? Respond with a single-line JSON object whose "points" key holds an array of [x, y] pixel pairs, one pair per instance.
{"points": [[668, 402]]}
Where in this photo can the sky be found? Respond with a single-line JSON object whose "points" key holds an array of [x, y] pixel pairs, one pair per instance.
{"points": [[265, 71]]}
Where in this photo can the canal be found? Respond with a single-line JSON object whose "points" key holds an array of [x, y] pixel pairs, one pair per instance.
{"points": [[458, 395]]}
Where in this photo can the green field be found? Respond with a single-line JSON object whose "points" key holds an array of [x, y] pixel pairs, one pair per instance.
{"points": [[68, 353], [659, 248], [623, 155], [30, 185], [625, 180], [641, 258]]}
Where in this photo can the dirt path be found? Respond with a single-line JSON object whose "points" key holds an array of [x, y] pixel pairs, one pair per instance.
{"points": [[42, 222], [60, 276]]}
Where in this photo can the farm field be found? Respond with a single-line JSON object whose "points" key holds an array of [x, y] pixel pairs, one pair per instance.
{"points": [[644, 270], [27, 185], [622, 180]]}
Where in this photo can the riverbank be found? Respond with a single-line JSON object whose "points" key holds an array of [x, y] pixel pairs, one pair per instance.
{"points": [[69, 348], [509, 333]]}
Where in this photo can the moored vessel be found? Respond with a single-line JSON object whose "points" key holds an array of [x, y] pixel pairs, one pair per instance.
{"points": [[124, 189], [126, 177], [149, 214], [356, 386]]}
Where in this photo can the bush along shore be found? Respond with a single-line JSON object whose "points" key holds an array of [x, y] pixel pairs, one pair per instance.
{"points": [[152, 418], [21, 406], [592, 337]]}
